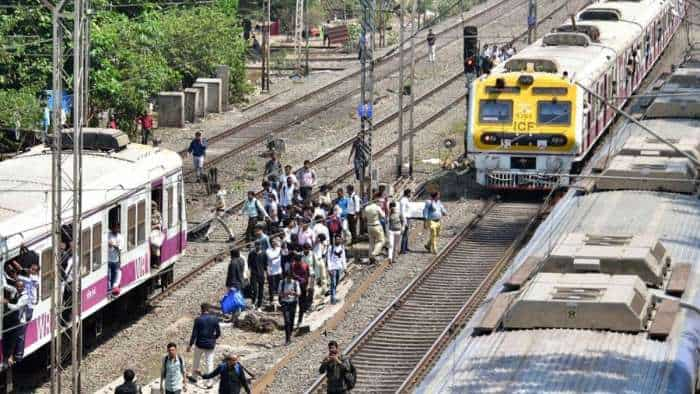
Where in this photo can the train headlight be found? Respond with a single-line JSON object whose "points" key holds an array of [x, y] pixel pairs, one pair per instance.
{"points": [[489, 139], [557, 140]]}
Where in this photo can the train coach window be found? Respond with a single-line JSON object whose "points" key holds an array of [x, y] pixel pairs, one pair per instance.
{"points": [[496, 111], [554, 112], [171, 207], [85, 249], [179, 201], [96, 246], [141, 230], [131, 227], [47, 264]]}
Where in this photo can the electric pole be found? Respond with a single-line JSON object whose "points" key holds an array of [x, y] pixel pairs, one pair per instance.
{"points": [[367, 86], [399, 157], [298, 26], [414, 31], [66, 325], [265, 77], [531, 21], [306, 30]]}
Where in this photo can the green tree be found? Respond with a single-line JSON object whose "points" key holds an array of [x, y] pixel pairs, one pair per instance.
{"points": [[21, 109]]}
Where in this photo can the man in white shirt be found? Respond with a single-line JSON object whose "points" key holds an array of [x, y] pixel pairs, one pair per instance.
{"points": [[403, 210], [17, 319], [274, 267], [353, 210], [115, 245]]}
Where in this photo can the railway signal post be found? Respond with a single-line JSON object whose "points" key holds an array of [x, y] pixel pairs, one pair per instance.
{"points": [[471, 67], [531, 21], [265, 77]]}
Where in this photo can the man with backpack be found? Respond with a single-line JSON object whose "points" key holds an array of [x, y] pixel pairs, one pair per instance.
{"points": [[432, 214], [172, 372], [340, 373]]}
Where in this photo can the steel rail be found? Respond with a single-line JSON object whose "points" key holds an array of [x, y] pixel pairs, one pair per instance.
{"points": [[408, 310], [199, 269], [294, 117]]}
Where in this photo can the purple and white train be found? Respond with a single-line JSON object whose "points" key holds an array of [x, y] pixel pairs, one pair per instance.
{"points": [[121, 181]]}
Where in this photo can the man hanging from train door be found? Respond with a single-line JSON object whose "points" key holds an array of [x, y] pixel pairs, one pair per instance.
{"points": [[115, 245]]}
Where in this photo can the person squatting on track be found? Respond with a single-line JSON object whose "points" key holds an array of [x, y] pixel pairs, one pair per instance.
{"points": [[198, 149], [205, 332], [173, 379], [341, 375]]}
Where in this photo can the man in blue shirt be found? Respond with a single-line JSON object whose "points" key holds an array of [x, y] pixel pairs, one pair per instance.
{"points": [[198, 148], [343, 202], [432, 213], [205, 332], [232, 376]]}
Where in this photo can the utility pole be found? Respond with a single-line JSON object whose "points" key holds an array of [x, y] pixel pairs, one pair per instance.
{"points": [[414, 31], [306, 29], [399, 156], [66, 325], [265, 77], [367, 87], [298, 26], [531, 21]]}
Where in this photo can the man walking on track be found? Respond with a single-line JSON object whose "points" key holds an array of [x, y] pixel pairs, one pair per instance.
{"points": [[373, 216], [432, 213], [232, 376], [205, 332], [198, 148], [172, 373], [431, 45], [340, 373]]}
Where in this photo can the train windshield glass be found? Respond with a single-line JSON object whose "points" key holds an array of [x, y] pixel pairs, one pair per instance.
{"points": [[554, 112], [496, 111]]}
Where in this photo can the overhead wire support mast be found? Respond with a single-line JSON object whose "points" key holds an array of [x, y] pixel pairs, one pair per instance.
{"points": [[399, 156], [367, 86], [65, 303]]}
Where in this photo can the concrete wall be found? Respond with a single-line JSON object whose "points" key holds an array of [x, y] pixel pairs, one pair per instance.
{"points": [[223, 72], [213, 93], [171, 109], [191, 104], [203, 89]]}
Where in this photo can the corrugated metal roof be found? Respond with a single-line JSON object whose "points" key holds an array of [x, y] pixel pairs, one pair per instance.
{"points": [[535, 361]]}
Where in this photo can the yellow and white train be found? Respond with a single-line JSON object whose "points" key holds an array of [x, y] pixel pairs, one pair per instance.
{"points": [[531, 123]]}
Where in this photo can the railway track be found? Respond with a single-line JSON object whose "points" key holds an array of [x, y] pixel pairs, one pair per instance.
{"points": [[399, 342], [199, 228], [259, 129], [201, 268]]}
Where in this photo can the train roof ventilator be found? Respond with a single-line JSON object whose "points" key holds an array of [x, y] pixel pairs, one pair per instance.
{"points": [[646, 163], [642, 256], [581, 301]]}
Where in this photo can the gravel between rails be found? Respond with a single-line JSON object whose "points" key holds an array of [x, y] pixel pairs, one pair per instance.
{"points": [[139, 346]]}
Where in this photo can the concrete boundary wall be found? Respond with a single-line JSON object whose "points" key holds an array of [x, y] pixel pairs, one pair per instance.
{"points": [[213, 93], [171, 109]]}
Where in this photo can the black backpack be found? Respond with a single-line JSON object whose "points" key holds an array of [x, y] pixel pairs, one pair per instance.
{"points": [[350, 376], [182, 366]]}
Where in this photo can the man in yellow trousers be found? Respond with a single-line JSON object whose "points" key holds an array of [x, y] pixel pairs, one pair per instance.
{"points": [[432, 213], [373, 215]]}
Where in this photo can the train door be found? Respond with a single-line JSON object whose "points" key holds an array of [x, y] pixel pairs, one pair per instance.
{"points": [[173, 220], [156, 233]]}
